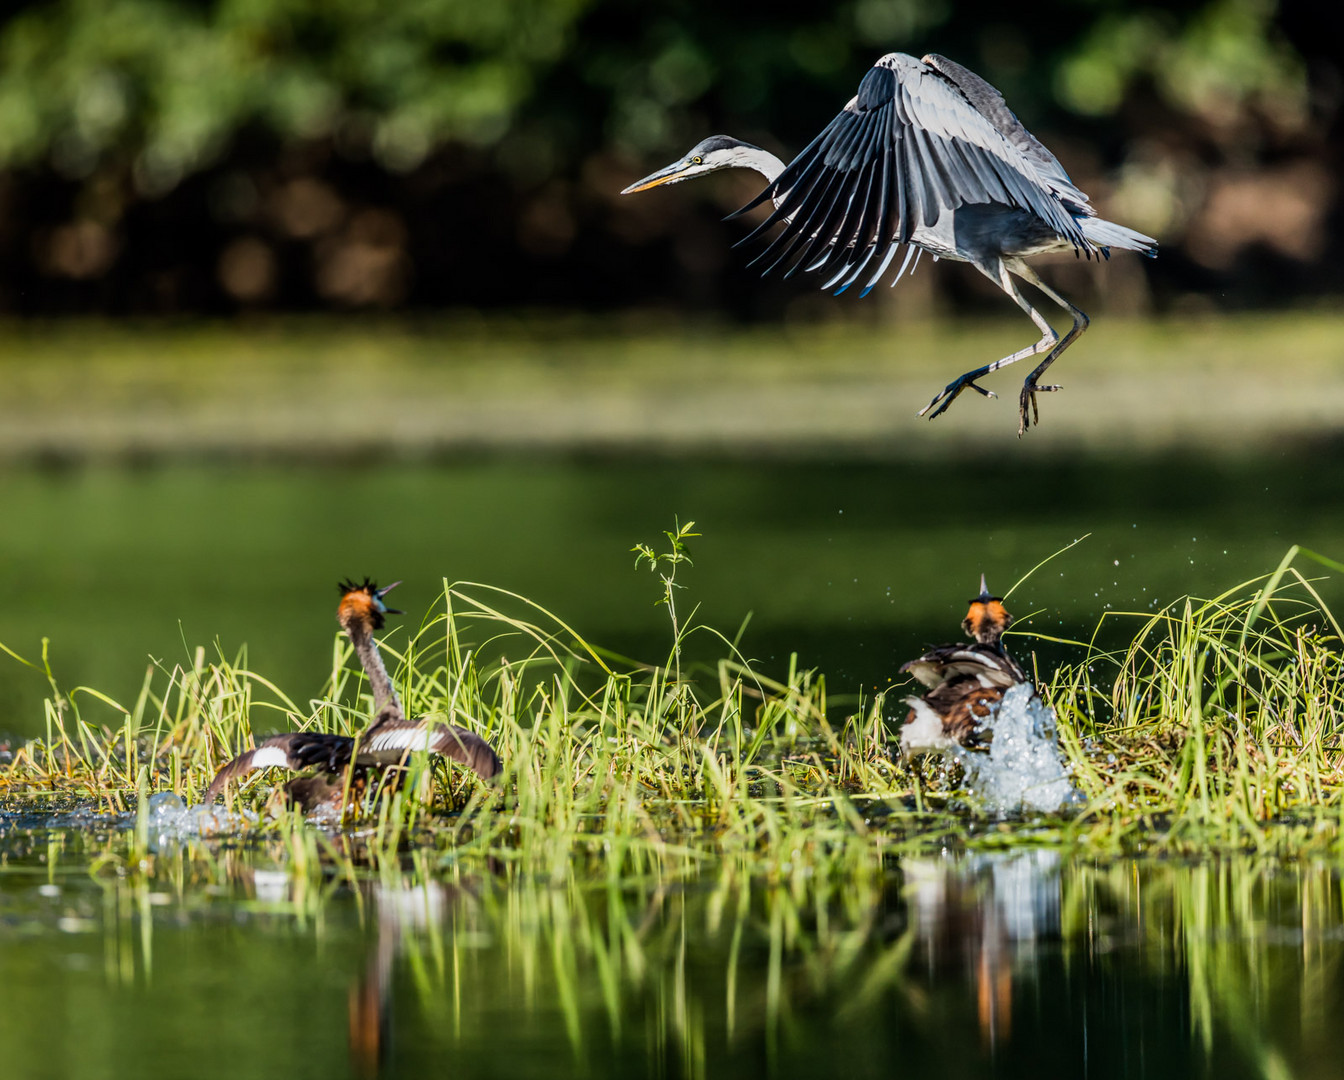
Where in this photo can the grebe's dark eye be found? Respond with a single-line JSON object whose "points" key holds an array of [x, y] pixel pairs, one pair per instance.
{"points": [[697, 161]]}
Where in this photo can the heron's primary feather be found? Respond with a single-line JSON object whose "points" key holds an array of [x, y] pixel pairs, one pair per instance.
{"points": [[917, 141]]}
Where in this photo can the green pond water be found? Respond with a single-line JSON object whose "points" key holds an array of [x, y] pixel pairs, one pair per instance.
{"points": [[852, 565], [196, 959]]}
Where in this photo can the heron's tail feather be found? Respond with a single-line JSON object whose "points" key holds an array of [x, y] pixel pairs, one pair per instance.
{"points": [[1107, 234]]}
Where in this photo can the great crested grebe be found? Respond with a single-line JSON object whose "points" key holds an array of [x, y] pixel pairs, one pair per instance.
{"points": [[389, 740], [966, 682], [928, 155]]}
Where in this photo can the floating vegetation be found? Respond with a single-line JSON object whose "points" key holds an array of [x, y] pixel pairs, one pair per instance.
{"points": [[1216, 726]]}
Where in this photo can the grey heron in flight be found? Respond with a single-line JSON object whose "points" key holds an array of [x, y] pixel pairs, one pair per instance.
{"points": [[928, 155]]}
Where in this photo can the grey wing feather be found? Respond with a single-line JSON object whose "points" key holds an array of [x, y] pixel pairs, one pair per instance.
{"points": [[842, 190], [909, 147], [989, 103], [972, 161]]}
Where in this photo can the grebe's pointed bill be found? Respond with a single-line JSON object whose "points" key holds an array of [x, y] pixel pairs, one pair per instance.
{"points": [[985, 596], [380, 593]]}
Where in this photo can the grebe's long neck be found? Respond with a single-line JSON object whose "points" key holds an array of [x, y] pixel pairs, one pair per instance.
{"points": [[384, 694]]}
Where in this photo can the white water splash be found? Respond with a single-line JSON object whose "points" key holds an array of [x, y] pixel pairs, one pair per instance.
{"points": [[170, 819], [1024, 769]]}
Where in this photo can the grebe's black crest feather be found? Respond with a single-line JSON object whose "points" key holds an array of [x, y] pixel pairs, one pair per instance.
{"points": [[371, 588]]}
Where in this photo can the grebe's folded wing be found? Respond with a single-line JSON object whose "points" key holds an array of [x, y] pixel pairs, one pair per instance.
{"points": [[295, 750]]}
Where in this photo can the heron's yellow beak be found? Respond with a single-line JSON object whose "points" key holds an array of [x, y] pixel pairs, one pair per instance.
{"points": [[662, 176]]}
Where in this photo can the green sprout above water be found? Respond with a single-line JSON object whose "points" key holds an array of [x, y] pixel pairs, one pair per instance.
{"points": [[665, 565]]}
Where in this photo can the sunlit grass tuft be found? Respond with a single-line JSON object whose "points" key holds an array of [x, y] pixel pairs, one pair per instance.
{"points": [[1218, 724]]}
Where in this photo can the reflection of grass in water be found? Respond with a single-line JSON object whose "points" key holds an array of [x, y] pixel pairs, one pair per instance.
{"points": [[690, 874], [1253, 939], [1216, 727], [686, 872], [686, 960]]}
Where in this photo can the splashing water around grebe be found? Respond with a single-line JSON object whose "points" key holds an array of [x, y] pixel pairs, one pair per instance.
{"points": [[1024, 768]]}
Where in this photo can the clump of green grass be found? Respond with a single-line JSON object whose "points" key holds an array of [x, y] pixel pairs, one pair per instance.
{"points": [[1217, 725]]}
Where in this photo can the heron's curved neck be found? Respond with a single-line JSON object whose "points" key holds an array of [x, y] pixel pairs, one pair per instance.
{"points": [[764, 162], [384, 694]]}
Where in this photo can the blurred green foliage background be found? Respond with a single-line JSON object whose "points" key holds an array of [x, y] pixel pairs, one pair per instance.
{"points": [[218, 155]]}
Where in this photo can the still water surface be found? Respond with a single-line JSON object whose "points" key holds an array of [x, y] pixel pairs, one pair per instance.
{"points": [[210, 961], [853, 565]]}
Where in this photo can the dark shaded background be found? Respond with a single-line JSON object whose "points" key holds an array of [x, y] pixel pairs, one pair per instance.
{"points": [[185, 156]]}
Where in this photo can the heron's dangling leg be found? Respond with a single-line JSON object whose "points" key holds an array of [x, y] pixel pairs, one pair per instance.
{"points": [[948, 394], [1030, 388]]}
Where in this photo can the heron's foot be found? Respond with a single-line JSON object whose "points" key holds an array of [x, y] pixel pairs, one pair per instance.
{"points": [[1028, 397], [948, 394]]}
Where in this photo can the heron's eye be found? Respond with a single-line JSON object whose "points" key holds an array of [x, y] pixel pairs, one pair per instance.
{"points": [[697, 161]]}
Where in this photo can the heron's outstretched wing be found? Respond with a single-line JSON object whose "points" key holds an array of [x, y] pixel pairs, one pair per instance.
{"points": [[989, 103], [294, 751], [908, 148]]}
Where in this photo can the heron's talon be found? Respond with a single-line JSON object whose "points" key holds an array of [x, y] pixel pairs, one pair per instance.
{"points": [[1028, 396], [948, 394]]}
